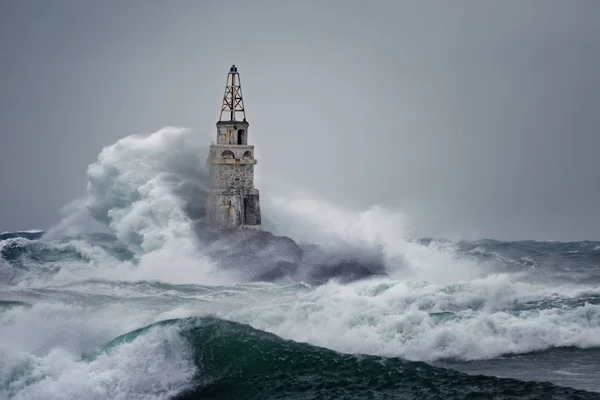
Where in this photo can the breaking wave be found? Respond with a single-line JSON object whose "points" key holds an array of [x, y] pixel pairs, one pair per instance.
{"points": [[135, 252], [212, 358]]}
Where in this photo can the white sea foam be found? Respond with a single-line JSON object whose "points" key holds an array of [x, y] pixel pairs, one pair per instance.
{"points": [[411, 319], [139, 188], [376, 228], [18, 241], [41, 350], [436, 304], [421, 321], [142, 186], [156, 365]]}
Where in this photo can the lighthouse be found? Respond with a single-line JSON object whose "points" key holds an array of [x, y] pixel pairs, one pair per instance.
{"points": [[233, 202]]}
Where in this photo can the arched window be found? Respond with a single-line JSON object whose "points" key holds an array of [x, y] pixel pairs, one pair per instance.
{"points": [[247, 155], [228, 155]]}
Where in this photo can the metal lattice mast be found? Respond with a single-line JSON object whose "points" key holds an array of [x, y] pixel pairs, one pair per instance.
{"points": [[233, 103]]}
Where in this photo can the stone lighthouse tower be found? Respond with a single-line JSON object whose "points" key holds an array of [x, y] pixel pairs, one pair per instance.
{"points": [[233, 201]]}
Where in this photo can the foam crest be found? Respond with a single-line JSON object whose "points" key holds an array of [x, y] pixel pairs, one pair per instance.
{"points": [[155, 365], [42, 348], [479, 319]]}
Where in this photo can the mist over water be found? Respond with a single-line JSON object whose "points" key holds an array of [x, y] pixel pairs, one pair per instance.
{"points": [[131, 295]]}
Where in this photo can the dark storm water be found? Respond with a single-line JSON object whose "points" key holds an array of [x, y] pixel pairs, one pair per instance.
{"points": [[216, 349]]}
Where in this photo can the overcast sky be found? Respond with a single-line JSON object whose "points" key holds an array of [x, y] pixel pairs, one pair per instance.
{"points": [[475, 118]]}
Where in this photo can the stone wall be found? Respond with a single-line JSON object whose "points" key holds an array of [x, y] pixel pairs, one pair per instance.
{"points": [[230, 210], [232, 176], [227, 210]]}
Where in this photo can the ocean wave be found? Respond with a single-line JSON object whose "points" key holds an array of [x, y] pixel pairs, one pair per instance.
{"points": [[148, 192], [417, 320], [353, 282], [237, 361], [156, 365], [420, 321], [212, 358], [474, 320], [24, 232]]}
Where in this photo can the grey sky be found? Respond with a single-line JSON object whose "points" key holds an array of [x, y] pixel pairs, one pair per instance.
{"points": [[475, 118]]}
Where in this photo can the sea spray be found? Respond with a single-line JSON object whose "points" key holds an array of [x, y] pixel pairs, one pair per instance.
{"points": [[357, 284], [156, 365]]}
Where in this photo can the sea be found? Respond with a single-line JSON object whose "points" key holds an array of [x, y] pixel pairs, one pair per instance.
{"points": [[131, 296]]}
